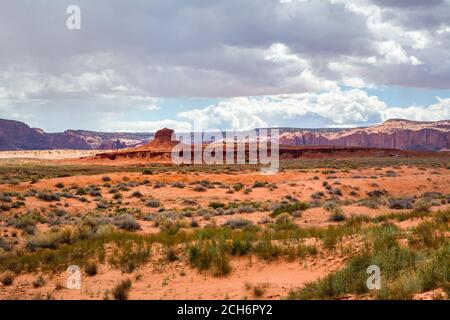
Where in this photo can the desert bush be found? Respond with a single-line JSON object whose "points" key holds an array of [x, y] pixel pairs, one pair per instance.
{"points": [[50, 240], [48, 196], [179, 185], [147, 172], [106, 179], [442, 217], [422, 205], [200, 188], [103, 205], [289, 208], [240, 247], [159, 185], [137, 194], [127, 222], [209, 256], [238, 224], [331, 205], [259, 184], [171, 254], [7, 278], [317, 195], [39, 282], [153, 203], [59, 185], [5, 245], [377, 193], [283, 221], [121, 290], [216, 205], [370, 203], [194, 224], [266, 250], [337, 216], [90, 269], [129, 255], [402, 203], [259, 290], [426, 234], [238, 186]]}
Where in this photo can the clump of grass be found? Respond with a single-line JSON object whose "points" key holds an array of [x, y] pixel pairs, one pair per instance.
{"points": [[283, 221], [337, 217], [129, 256], [91, 269], [48, 196], [59, 185], [216, 205], [121, 290], [7, 278], [259, 184], [39, 282], [422, 205], [153, 203], [179, 185], [405, 271], [209, 256], [402, 203], [147, 172], [137, 194], [127, 222], [171, 254], [289, 208], [238, 223]]}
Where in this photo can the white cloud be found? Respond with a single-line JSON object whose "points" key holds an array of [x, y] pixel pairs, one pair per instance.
{"points": [[335, 108]]}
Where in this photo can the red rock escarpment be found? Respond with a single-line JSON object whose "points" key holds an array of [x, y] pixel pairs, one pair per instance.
{"points": [[393, 134]]}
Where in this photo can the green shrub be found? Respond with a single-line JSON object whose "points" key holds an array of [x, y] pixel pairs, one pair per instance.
{"points": [[7, 278], [216, 205], [90, 269], [153, 203], [39, 282], [289, 208], [238, 223], [209, 256], [121, 290], [127, 222]]}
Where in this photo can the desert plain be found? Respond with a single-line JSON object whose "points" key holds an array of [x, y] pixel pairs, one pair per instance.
{"points": [[157, 231]]}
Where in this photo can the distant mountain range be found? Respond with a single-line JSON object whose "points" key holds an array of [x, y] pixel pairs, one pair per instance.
{"points": [[396, 134]]}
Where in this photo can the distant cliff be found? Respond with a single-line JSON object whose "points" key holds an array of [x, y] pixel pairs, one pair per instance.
{"points": [[15, 135], [395, 134]]}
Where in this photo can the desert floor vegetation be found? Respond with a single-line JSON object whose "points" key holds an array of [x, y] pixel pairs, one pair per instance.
{"points": [[309, 232]]}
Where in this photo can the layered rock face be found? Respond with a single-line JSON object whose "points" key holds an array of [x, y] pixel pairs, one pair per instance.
{"points": [[16, 135], [393, 134]]}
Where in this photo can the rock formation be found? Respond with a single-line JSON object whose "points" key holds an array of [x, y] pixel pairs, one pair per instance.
{"points": [[393, 134]]}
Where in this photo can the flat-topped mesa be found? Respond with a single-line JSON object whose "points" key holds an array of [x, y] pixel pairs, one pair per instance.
{"points": [[164, 134]]}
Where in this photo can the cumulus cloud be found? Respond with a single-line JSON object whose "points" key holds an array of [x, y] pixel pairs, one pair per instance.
{"points": [[336, 108]]}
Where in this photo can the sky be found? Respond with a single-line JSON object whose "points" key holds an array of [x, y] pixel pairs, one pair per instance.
{"points": [[143, 65]]}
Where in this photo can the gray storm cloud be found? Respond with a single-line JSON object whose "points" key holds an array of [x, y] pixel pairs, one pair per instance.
{"points": [[218, 49]]}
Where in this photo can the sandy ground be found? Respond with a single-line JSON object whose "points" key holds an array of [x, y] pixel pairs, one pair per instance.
{"points": [[49, 154], [178, 280]]}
